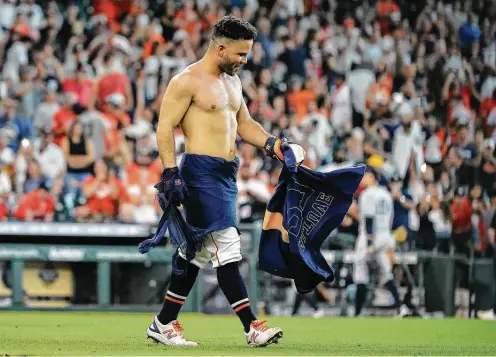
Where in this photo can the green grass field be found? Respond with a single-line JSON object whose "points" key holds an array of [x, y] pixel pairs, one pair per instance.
{"points": [[79, 333]]}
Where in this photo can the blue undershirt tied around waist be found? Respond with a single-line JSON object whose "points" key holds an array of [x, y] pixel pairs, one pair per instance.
{"points": [[209, 206]]}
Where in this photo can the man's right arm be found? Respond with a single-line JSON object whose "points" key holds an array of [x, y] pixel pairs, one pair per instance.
{"points": [[175, 104]]}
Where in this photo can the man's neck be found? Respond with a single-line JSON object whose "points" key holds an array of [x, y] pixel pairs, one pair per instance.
{"points": [[207, 62]]}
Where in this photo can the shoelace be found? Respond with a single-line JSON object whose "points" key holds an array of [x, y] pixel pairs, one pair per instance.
{"points": [[260, 325], [178, 327]]}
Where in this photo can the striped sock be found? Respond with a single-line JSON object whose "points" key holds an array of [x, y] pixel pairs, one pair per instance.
{"points": [[240, 305], [175, 298], [233, 286], [179, 289]]}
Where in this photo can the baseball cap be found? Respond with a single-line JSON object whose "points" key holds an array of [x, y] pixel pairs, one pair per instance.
{"points": [[461, 191], [375, 161], [116, 99]]}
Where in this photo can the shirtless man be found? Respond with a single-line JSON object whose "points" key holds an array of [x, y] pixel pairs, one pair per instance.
{"points": [[206, 100]]}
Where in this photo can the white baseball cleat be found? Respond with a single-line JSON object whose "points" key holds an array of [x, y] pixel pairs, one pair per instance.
{"points": [[169, 335], [318, 313], [261, 335], [486, 315], [403, 311]]}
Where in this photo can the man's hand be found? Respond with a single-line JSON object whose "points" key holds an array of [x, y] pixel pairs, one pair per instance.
{"points": [[172, 186], [370, 250], [291, 154]]}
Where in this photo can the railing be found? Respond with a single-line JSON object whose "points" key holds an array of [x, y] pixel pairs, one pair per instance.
{"points": [[105, 255]]}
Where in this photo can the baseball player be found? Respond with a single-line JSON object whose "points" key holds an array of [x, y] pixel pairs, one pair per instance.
{"points": [[375, 239]]}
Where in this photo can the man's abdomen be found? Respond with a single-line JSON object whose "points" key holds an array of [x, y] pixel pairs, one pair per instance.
{"points": [[211, 135]]}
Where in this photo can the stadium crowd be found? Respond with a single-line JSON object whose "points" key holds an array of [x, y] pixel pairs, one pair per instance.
{"points": [[407, 87]]}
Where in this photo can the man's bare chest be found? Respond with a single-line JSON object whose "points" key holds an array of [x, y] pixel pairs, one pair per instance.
{"points": [[218, 96]]}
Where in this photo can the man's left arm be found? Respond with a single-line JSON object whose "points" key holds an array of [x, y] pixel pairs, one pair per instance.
{"points": [[249, 130], [253, 133]]}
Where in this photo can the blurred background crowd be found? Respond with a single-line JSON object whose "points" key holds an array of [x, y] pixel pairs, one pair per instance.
{"points": [[407, 87]]}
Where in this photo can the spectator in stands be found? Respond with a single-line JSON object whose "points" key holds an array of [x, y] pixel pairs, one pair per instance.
{"points": [[14, 128], [50, 156], [7, 155], [45, 112], [79, 153], [36, 205], [318, 129], [469, 32], [17, 54], [112, 81], [250, 159], [80, 85], [462, 220], [80, 157], [426, 233], [299, 98], [25, 92], [144, 116], [466, 146], [34, 177], [478, 232], [440, 216], [103, 191], [463, 174], [116, 150], [253, 195], [5, 192], [4, 212], [341, 117], [64, 117], [141, 176], [490, 225], [25, 154], [312, 63], [95, 127]]}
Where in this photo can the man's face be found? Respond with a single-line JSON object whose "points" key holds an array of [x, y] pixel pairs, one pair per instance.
{"points": [[80, 74], [463, 135], [233, 55], [47, 138]]}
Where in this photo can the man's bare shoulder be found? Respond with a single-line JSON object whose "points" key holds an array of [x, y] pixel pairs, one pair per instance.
{"points": [[189, 79], [183, 82]]}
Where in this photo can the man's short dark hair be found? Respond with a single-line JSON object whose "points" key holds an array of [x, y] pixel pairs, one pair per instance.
{"points": [[232, 28]]}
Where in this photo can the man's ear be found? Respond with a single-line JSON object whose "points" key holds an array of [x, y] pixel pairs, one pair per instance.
{"points": [[221, 50]]}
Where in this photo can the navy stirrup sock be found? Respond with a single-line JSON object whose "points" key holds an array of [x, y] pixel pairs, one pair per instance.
{"points": [[233, 286], [179, 289]]}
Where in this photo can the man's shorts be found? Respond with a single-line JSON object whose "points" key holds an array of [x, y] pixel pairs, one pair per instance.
{"points": [[220, 247]]}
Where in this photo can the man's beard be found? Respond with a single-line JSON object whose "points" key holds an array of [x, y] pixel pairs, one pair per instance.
{"points": [[229, 68]]}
